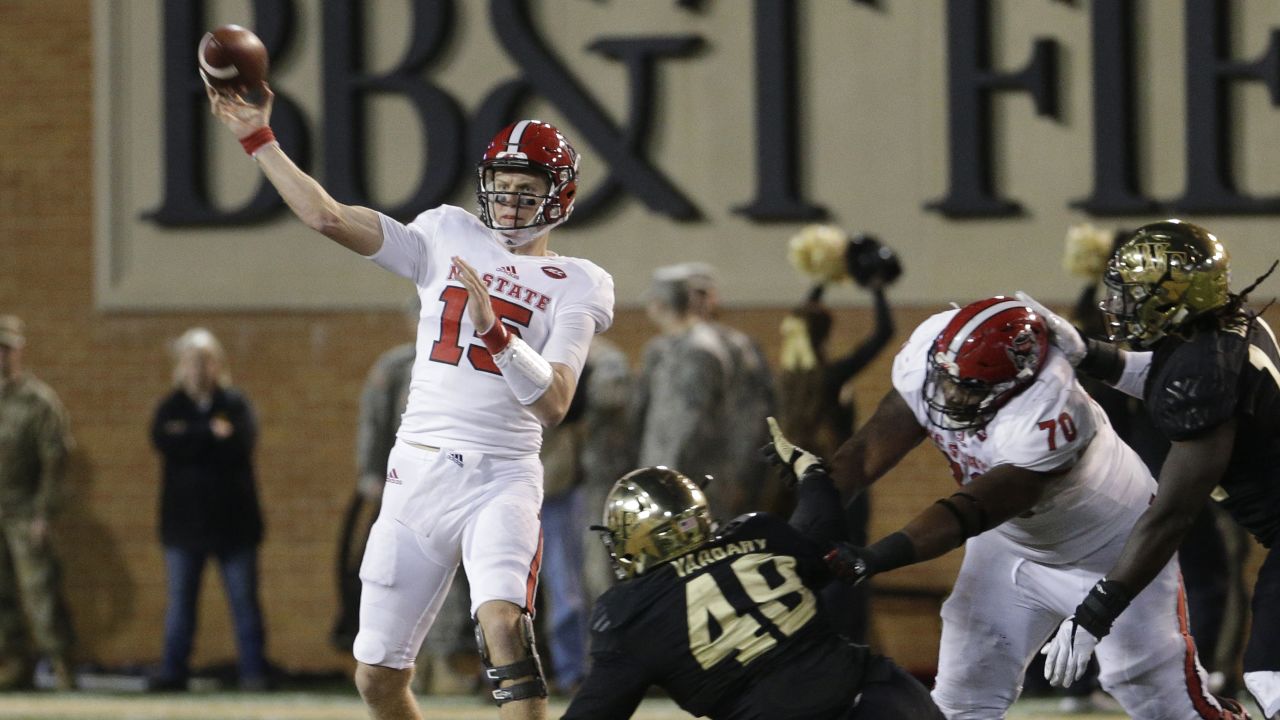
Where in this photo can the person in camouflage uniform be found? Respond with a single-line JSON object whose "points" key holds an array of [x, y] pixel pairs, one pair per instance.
{"points": [[607, 447], [681, 403], [750, 397], [34, 444]]}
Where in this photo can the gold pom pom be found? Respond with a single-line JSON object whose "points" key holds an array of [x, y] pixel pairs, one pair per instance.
{"points": [[818, 252], [1087, 250]]}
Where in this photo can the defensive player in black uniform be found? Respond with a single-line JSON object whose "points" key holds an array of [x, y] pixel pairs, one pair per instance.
{"points": [[1209, 371], [728, 623]]}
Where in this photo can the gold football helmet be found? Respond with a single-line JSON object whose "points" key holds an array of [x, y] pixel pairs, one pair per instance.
{"points": [[653, 515], [1165, 276]]}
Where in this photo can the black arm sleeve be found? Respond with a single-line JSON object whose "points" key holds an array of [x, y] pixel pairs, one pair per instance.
{"points": [[1103, 361], [819, 513]]}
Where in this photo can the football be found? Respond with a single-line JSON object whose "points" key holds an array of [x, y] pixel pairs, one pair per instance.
{"points": [[233, 58]]}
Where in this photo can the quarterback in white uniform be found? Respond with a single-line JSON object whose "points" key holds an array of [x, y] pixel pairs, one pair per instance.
{"points": [[502, 338], [1048, 492]]}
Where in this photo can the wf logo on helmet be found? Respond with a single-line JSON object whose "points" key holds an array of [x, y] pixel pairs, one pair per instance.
{"points": [[1158, 257]]}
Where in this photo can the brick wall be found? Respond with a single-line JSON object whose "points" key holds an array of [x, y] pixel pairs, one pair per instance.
{"points": [[303, 371]]}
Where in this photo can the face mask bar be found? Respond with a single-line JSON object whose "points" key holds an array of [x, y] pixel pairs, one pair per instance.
{"points": [[529, 205], [958, 404], [1120, 310]]}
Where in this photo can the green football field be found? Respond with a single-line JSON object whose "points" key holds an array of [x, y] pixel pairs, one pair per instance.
{"points": [[324, 706]]}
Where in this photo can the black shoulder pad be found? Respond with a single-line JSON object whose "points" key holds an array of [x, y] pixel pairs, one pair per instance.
{"points": [[736, 525], [1196, 388]]}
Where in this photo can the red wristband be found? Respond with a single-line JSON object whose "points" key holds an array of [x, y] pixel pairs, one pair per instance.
{"points": [[254, 142], [496, 338]]}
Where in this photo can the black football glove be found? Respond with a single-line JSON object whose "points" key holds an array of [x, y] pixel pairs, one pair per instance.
{"points": [[854, 564], [848, 562], [793, 461]]}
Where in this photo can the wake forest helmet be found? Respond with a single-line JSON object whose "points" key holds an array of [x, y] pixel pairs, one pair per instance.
{"points": [[1167, 275], [535, 147], [988, 353], [653, 515]]}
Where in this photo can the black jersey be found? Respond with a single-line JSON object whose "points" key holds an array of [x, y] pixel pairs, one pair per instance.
{"points": [[1231, 371], [732, 631]]}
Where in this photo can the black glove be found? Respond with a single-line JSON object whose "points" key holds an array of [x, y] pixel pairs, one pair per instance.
{"points": [[794, 461], [854, 564], [848, 562]]}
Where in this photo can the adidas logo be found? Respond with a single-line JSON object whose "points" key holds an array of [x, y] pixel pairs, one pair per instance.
{"points": [[393, 477], [509, 271], [455, 458]]}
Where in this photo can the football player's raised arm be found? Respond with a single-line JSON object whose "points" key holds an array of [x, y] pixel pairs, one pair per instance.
{"points": [[877, 447], [353, 227], [1190, 472]]}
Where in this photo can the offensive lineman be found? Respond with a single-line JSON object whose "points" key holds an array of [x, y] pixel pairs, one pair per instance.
{"points": [[728, 622], [1048, 492], [502, 339], [1207, 369]]}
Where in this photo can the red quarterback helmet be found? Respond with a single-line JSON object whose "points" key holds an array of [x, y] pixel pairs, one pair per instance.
{"points": [[988, 353], [530, 147]]}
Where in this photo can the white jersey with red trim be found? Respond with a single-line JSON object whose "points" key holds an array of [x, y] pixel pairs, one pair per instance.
{"points": [[1052, 424], [457, 396]]}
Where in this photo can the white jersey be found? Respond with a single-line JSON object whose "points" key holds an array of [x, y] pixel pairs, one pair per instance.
{"points": [[457, 396], [1050, 425]]}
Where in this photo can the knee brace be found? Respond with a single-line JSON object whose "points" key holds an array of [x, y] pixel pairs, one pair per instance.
{"points": [[531, 664]]}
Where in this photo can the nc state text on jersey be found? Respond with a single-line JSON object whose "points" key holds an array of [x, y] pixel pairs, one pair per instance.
{"points": [[503, 286]]}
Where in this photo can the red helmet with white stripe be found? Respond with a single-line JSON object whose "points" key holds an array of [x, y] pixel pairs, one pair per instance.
{"points": [[988, 353], [529, 147]]}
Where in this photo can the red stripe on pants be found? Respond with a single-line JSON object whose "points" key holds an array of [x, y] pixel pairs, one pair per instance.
{"points": [[1204, 707], [531, 584]]}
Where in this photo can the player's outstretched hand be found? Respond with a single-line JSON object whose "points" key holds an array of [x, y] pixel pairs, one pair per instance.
{"points": [[479, 306], [794, 461], [1062, 334], [239, 114], [848, 562], [1067, 654]]}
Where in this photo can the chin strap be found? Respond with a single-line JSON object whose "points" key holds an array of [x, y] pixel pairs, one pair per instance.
{"points": [[519, 237]]}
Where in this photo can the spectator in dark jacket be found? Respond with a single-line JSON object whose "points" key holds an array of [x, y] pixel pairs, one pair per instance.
{"points": [[205, 432]]}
